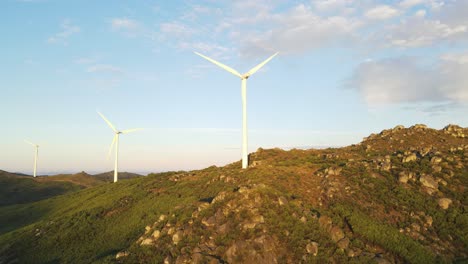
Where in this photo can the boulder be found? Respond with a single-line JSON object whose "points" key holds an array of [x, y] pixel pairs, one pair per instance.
{"points": [[121, 254], [177, 237], [403, 177], [156, 234], [410, 157], [428, 181], [336, 234], [419, 126], [444, 203], [343, 243], [452, 128], [147, 242], [282, 201], [325, 222], [312, 248]]}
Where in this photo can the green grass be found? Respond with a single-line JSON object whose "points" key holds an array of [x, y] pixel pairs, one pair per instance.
{"points": [[15, 190]]}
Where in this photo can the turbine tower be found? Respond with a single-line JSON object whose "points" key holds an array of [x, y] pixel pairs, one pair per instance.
{"points": [[116, 142], [36, 152], [243, 77]]}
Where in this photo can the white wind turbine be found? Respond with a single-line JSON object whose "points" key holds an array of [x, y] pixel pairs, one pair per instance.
{"points": [[116, 142], [36, 153], [244, 77]]}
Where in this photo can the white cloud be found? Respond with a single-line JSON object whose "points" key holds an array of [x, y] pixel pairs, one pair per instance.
{"points": [[408, 79], [299, 30], [124, 24], [331, 5], [381, 12], [420, 13], [410, 3], [104, 68], [418, 31], [68, 29], [84, 60], [177, 29]]}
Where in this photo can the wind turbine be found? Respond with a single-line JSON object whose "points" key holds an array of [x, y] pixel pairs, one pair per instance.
{"points": [[116, 142], [244, 77], [36, 152]]}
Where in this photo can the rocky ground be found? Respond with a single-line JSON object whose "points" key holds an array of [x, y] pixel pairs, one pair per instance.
{"points": [[399, 196]]}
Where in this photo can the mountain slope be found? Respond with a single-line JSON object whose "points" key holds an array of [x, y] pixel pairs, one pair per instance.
{"points": [[399, 196], [16, 189]]}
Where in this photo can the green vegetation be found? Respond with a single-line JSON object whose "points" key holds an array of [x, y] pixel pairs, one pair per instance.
{"points": [[22, 189], [347, 205]]}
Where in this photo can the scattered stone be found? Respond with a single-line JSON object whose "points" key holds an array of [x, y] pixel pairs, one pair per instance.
{"points": [[221, 196], [170, 231], [147, 242], [410, 157], [399, 127], [156, 234], [428, 181], [282, 201], [325, 222], [343, 243], [121, 254], [419, 126], [444, 203], [336, 234], [177, 237], [258, 219], [429, 221], [312, 248], [209, 222], [436, 160], [437, 168], [162, 217], [333, 171], [403, 177]]}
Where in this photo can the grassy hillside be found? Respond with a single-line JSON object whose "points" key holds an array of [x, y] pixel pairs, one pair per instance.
{"points": [[399, 196], [16, 189]]}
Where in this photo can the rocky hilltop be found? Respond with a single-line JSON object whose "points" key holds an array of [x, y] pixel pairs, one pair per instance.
{"points": [[399, 196]]}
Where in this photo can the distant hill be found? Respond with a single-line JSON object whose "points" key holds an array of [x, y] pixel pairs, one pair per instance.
{"points": [[109, 176], [21, 188], [399, 196], [16, 188]]}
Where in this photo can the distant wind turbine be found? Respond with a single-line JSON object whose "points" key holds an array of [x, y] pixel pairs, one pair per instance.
{"points": [[116, 142], [244, 77], [36, 153]]}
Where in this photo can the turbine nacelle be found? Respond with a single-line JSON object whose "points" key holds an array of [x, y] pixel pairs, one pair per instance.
{"points": [[115, 141]]}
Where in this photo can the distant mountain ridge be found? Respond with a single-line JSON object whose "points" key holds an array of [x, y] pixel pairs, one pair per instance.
{"points": [[21, 188]]}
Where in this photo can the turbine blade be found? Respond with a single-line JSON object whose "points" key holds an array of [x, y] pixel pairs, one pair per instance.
{"points": [[108, 122], [111, 146], [130, 130], [256, 68], [30, 143], [227, 68]]}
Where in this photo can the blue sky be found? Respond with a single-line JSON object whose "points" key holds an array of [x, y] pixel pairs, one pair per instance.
{"points": [[345, 69]]}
